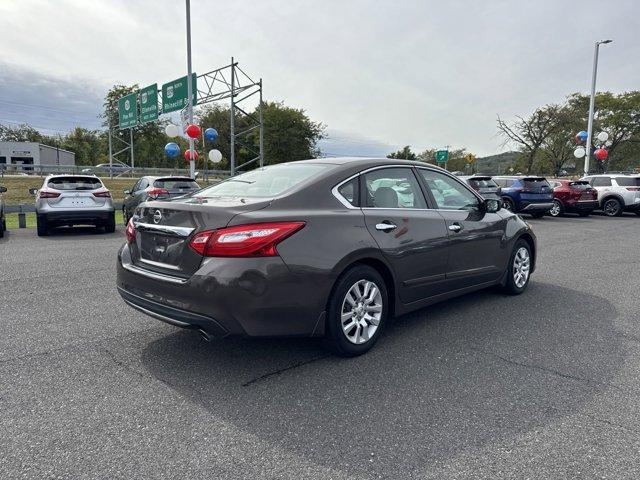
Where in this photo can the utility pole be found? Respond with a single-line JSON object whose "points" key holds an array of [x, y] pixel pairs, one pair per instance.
{"points": [[233, 120], [592, 102], [192, 163]]}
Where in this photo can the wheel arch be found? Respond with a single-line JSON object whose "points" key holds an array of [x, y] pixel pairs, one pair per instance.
{"points": [[609, 196]]}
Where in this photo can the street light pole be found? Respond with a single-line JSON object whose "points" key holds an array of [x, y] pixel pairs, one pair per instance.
{"points": [[192, 163], [592, 102]]}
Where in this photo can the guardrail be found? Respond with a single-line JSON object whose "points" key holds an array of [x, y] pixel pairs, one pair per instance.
{"points": [[118, 172]]}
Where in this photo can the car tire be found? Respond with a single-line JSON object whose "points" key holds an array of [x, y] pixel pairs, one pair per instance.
{"points": [[110, 224], [557, 210], [3, 227], [519, 263], [612, 207], [508, 204], [42, 226], [346, 337]]}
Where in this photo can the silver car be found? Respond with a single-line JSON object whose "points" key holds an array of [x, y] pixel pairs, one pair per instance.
{"points": [[617, 192], [73, 200]]}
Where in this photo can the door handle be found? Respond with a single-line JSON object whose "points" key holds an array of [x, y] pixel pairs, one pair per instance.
{"points": [[386, 227], [455, 227]]}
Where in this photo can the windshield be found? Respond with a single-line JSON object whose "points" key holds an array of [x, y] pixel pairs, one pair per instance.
{"points": [[264, 182], [176, 184], [74, 183], [482, 183], [628, 181]]}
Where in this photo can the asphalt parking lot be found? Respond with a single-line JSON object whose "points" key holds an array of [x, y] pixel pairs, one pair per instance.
{"points": [[543, 385]]}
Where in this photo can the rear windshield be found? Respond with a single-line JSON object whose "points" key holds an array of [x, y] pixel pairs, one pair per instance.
{"points": [[264, 182], [176, 184], [482, 183], [579, 185], [628, 181], [74, 183], [535, 182]]}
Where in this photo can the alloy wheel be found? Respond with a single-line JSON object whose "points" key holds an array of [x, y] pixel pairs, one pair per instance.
{"points": [[521, 267], [555, 210], [611, 207], [361, 311]]}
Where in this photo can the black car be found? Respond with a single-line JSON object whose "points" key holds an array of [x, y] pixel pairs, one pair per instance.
{"points": [[3, 220], [326, 248], [156, 188], [484, 185]]}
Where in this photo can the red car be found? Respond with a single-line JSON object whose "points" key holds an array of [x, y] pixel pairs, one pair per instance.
{"points": [[573, 196]]}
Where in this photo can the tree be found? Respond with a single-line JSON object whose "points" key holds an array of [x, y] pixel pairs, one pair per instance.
{"points": [[21, 133], [405, 153], [530, 133]]}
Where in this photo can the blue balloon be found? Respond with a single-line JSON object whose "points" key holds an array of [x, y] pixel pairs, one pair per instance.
{"points": [[583, 135], [211, 134], [172, 149]]}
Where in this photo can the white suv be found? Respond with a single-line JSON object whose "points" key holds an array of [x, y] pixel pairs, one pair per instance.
{"points": [[617, 192]]}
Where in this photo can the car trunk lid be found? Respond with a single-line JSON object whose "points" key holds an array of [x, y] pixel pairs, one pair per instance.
{"points": [[164, 229]]}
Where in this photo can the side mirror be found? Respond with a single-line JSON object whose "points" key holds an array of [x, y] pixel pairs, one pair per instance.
{"points": [[33, 191], [127, 192], [3, 189], [492, 205]]}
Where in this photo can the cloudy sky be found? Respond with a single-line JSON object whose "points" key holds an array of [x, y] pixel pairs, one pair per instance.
{"points": [[378, 74]]}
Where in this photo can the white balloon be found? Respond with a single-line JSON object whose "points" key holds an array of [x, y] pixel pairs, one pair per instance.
{"points": [[215, 156], [603, 136], [579, 152], [172, 130]]}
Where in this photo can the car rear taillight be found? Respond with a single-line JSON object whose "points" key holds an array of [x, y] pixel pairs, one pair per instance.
{"points": [[48, 194], [157, 192], [130, 231], [255, 240], [102, 194]]}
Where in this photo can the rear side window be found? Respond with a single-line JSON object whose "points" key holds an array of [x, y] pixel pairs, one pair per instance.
{"points": [[265, 182], [393, 188], [628, 181], [74, 183], [349, 191], [535, 183], [601, 182], [477, 183], [176, 183]]}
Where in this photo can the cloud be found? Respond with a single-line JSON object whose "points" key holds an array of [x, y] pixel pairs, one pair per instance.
{"points": [[410, 72]]}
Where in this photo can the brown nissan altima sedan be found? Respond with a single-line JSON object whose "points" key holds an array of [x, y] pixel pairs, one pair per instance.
{"points": [[327, 248]]}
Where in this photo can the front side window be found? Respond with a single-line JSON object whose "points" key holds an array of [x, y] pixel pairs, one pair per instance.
{"points": [[265, 182], [448, 193], [394, 187]]}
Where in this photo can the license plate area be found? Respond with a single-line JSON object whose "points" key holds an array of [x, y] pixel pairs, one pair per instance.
{"points": [[163, 250]]}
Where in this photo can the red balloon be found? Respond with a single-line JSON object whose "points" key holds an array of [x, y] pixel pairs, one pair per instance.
{"points": [[187, 155], [601, 154], [193, 131]]}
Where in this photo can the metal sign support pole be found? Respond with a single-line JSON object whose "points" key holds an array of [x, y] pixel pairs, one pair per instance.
{"points": [[110, 154], [233, 121], [261, 129], [131, 146], [192, 163]]}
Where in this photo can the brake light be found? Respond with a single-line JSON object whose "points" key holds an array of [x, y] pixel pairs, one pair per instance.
{"points": [[130, 231], [255, 240], [102, 194], [48, 194], [157, 192]]}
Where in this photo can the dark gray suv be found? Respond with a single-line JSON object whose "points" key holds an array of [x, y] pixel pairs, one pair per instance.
{"points": [[328, 248], [155, 188]]}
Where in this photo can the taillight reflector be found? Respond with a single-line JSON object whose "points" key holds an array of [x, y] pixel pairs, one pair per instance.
{"points": [[255, 240], [130, 231], [48, 194]]}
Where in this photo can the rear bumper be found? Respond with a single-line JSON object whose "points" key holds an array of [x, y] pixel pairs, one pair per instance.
{"points": [[254, 297], [582, 205], [535, 207], [77, 215]]}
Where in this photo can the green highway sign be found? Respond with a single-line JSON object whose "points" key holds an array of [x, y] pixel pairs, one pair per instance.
{"points": [[149, 103], [442, 156], [128, 111], [174, 94]]}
